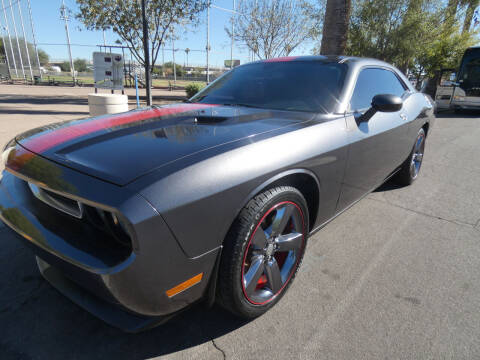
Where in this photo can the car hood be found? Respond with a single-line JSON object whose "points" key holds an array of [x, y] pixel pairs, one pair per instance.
{"points": [[123, 147]]}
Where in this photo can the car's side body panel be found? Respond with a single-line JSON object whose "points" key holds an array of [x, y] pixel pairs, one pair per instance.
{"points": [[378, 147], [200, 200]]}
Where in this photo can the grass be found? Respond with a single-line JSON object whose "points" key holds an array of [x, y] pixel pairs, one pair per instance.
{"points": [[89, 80], [165, 83]]}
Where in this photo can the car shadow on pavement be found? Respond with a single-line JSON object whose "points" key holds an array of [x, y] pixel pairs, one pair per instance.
{"points": [[388, 186], [41, 100], [465, 114], [41, 112], [38, 322]]}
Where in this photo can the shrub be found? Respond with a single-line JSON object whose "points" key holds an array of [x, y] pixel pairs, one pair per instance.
{"points": [[193, 88]]}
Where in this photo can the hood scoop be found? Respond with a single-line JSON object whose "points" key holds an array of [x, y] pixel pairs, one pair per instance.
{"points": [[209, 119]]}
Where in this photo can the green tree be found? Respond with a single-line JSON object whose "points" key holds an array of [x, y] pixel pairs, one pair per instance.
{"points": [[471, 6], [43, 57], [65, 66], [124, 17], [417, 35], [80, 65], [168, 68]]}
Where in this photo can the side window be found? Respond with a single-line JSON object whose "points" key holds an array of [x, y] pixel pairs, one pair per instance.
{"points": [[372, 82]]}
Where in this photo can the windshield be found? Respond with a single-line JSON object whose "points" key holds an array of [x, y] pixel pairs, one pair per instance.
{"points": [[311, 86], [470, 71]]}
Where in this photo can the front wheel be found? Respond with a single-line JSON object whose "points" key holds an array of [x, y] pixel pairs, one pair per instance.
{"points": [[263, 252], [411, 167]]}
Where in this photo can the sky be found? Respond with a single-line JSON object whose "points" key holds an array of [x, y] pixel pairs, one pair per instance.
{"points": [[50, 29]]}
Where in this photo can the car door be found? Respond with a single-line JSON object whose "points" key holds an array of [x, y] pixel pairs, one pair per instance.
{"points": [[377, 146], [444, 93]]}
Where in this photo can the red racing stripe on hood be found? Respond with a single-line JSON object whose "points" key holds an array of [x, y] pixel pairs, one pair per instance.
{"points": [[48, 140]]}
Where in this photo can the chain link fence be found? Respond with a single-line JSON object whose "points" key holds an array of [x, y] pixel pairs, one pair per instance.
{"points": [[20, 53]]}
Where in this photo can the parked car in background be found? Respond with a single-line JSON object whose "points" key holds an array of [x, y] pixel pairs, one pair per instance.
{"points": [[135, 216]]}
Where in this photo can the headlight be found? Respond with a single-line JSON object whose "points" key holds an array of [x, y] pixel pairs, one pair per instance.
{"points": [[6, 151]]}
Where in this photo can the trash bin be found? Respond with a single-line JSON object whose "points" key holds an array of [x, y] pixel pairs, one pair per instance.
{"points": [[100, 104], [36, 79]]}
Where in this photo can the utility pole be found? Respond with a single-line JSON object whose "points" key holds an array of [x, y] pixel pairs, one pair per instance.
{"points": [[233, 34], [18, 43], [25, 40], [34, 38], [173, 56], [187, 50], [163, 56], [208, 42], [9, 39], [148, 79], [64, 16]]}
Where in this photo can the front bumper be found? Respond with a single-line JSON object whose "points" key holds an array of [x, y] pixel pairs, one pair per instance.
{"points": [[126, 290]]}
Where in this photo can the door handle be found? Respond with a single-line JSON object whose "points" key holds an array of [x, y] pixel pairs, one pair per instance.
{"points": [[404, 117]]}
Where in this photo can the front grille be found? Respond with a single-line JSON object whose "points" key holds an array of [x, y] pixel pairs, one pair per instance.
{"points": [[102, 233], [59, 202]]}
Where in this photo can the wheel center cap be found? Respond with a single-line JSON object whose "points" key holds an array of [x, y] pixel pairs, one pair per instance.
{"points": [[269, 250]]}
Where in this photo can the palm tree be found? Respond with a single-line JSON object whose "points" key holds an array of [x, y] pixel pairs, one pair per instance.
{"points": [[335, 27], [471, 6]]}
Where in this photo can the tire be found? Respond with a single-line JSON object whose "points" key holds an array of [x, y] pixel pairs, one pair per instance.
{"points": [[263, 251], [410, 168]]}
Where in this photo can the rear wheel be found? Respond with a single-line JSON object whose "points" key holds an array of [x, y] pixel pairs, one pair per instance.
{"points": [[263, 251], [411, 167]]}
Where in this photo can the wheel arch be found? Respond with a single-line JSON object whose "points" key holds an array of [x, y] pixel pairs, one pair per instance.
{"points": [[426, 127], [302, 179]]}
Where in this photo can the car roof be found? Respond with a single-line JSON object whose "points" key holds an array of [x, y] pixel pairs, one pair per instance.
{"points": [[351, 60]]}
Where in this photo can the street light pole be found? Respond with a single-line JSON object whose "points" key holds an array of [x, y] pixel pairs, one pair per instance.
{"points": [[9, 39], [18, 43], [64, 16], [34, 38], [174, 65], [25, 41], [148, 79], [208, 42], [233, 34]]}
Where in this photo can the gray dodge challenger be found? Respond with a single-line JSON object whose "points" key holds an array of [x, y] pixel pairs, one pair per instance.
{"points": [[135, 216]]}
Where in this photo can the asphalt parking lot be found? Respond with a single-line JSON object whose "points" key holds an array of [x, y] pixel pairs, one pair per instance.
{"points": [[395, 277]]}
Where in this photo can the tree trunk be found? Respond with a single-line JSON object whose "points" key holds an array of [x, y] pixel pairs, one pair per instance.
{"points": [[472, 5], [335, 27]]}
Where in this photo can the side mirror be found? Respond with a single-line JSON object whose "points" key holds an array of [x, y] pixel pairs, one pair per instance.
{"points": [[387, 103], [383, 103]]}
